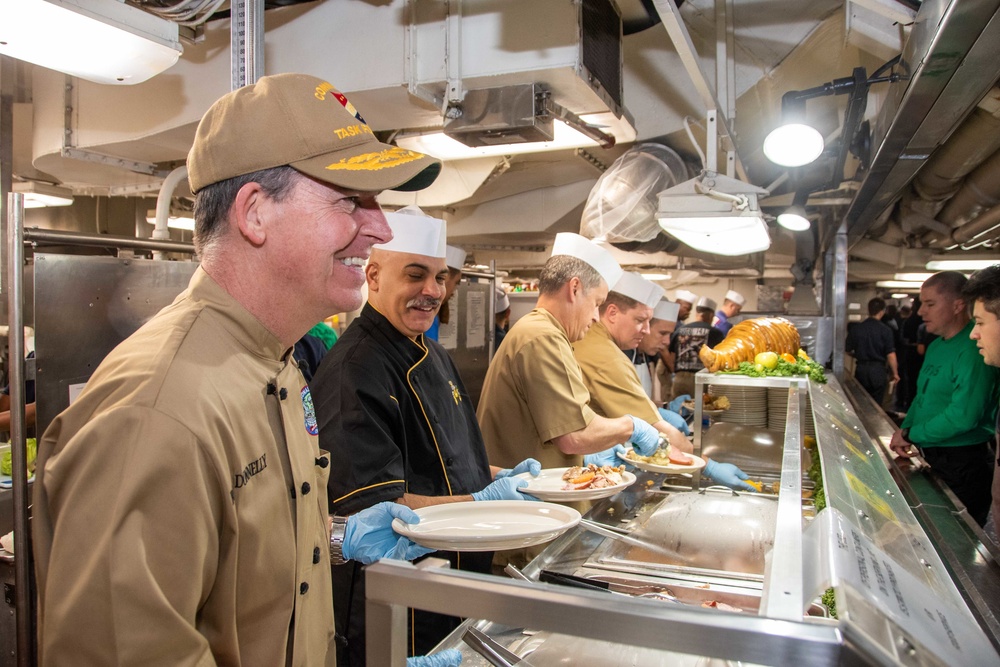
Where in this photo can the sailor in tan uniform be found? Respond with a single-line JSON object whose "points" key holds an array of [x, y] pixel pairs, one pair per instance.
{"points": [[535, 402], [180, 507], [610, 376]]}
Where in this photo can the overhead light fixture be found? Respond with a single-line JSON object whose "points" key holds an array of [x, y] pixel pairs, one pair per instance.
{"points": [[104, 41], [185, 222], [793, 145], [794, 217], [656, 276], [443, 147], [716, 214], [900, 284], [912, 277], [899, 296], [39, 195], [964, 264]]}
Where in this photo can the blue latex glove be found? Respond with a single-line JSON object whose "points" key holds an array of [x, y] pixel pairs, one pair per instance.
{"points": [[645, 439], [450, 657], [608, 457], [369, 537], [675, 420], [527, 465], [505, 488], [677, 405], [728, 474]]}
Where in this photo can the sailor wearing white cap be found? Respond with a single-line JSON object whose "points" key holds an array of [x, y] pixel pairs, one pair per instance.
{"points": [[732, 304], [685, 300], [394, 414], [501, 317], [455, 259], [612, 379], [645, 357], [534, 400]]}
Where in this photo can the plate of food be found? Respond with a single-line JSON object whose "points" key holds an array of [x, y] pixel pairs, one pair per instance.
{"points": [[665, 459], [6, 465], [589, 482], [489, 525], [711, 405]]}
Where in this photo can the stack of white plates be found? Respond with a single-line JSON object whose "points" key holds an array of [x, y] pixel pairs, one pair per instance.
{"points": [[748, 405], [777, 411]]}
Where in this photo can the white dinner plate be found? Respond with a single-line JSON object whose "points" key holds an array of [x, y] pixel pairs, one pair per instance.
{"points": [[698, 464], [488, 525], [549, 486]]}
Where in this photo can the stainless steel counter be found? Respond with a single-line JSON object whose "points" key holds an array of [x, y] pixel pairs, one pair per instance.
{"points": [[773, 617]]}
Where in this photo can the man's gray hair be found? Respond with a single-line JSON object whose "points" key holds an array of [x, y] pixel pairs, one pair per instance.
{"points": [[212, 203], [560, 269]]}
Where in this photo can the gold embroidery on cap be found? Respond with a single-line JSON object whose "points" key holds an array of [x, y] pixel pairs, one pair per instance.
{"points": [[322, 89], [391, 157], [352, 131]]}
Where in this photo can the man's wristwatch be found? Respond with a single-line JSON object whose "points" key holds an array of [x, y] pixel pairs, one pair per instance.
{"points": [[337, 528], [905, 435]]}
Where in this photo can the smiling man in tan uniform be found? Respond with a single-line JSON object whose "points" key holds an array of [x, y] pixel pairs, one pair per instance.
{"points": [[180, 505]]}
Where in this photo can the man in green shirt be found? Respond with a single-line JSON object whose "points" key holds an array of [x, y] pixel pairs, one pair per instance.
{"points": [[951, 419]]}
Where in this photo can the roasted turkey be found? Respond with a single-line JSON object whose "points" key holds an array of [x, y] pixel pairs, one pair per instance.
{"points": [[748, 339]]}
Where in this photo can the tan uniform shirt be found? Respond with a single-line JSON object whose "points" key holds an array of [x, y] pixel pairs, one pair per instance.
{"points": [[614, 386], [533, 392], [180, 505]]}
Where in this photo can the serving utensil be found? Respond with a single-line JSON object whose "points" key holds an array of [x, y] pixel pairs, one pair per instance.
{"points": [[495, 653]]}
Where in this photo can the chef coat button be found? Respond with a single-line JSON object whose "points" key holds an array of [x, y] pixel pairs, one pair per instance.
{"points": [[449, 461], [303, 588], [283, 394], [271, 388], [315, 555], [305, 488], [322, 462]]}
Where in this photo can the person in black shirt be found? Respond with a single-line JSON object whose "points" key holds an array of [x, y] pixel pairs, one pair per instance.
{"points": [[872, 346]]}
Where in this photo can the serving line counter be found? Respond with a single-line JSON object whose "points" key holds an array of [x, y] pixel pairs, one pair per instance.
{"points": [[763, 561]]}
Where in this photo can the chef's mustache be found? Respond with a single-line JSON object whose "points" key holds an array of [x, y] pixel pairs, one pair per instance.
{"points": [[423, 302]]}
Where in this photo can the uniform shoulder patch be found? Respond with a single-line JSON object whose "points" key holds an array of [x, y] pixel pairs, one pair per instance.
{"points": [[307, 407]]}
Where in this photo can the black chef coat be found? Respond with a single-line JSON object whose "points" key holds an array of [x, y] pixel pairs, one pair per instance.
{"points": [[395, 417]]}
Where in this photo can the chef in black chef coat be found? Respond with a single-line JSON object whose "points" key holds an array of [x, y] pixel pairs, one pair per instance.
{"points": [[397, 420]]}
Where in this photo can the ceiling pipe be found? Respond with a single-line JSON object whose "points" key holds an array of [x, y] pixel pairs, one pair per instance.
{"points": [[980, 192], [160, 230], [987, 222], [969, 146]]}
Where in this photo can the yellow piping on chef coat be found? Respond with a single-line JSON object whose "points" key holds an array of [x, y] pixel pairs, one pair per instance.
{"points": [[444, 470], [370, 486]]}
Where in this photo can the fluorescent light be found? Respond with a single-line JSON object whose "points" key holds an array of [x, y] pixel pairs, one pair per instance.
{"points": [[793, 145], [39, 195], [174, 222], [900, 296], [912, 277], [900, 284], [716, 214], [965, 264], [794, 219], [443, 147], [104, 41], [656, 276]]}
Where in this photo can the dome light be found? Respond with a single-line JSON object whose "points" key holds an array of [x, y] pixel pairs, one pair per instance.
{"points": [[793, 145], [794, 219]]}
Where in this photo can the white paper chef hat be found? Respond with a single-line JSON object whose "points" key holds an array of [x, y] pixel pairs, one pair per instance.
{"points": [[502, 302], [415, 232], [574, 245], [455, 257], [666, 310], [684, 295], [735, 297], [636, 287], [705, 302]]}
